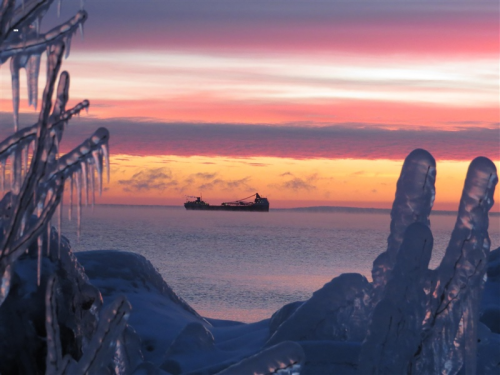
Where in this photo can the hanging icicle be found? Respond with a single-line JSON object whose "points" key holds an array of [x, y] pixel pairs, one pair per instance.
{"points": [[16, 170], [14, 71], [3, 163], [105, 151], [25, 159], [32, 73], [97, 155], [70, 212], [59, 221], [79, 203], [49, 232], [67, 46], [80, 28], [85, 182], [39, 242], [92, 183]]}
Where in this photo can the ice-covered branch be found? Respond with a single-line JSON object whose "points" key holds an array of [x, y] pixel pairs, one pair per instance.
{"points": [[6, 10], [112, 322], [36, 171], [39, 44], [25, 136], [27, 13], [25, 47]]}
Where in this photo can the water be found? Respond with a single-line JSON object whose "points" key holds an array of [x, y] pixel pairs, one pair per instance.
{"points": [[244, 266]]}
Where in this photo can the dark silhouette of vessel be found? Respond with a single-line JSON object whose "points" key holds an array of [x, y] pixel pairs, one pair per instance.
{"points": [[259, 204]]}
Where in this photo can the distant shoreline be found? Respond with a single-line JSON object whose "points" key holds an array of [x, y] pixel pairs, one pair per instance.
{"points": [[313, 209]]}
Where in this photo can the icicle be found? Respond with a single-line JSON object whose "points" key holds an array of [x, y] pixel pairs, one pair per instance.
{"points": [[32, 73], [59, 6], [82, 4], [105, 151], [23, 223], [87, 110], [67, 46], [36, 23], [85, 182], [80, 28], [56, 144], [25, 159], [59, 220], [4, 161], [16, 171], [14, 71], [5, 282], [97, 154], [11, 157], [39, 242], [92, 184], [49, 232], [79, 203], [70, 197]]}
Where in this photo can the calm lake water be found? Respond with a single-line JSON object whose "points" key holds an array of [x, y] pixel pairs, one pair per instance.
{"points": [[244, 266]]}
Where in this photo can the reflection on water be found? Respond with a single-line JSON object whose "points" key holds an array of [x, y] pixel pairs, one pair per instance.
{"points": [[244, 266]]}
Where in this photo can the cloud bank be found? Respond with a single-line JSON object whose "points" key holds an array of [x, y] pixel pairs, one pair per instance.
{"points": [[341, 141]]}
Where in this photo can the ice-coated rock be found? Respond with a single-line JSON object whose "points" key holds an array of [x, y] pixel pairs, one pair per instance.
{"points": [[450, 327], [338, 311], [396, 324], [193, 338], [281, 315], [415, 193]]}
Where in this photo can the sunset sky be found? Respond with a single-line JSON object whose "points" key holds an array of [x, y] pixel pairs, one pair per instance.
{"points": [[306, 102]]}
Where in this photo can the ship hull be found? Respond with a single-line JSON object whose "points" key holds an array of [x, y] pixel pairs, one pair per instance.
{"points": [[252, 208]]}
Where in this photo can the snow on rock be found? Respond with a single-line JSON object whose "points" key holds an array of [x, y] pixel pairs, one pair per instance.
{"points": [[158, 315], [194, 337], [396, 323], [338, 311], [283, 314]]}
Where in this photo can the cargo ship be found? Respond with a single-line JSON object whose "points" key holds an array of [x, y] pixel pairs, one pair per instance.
{"points": [[258, 204]]}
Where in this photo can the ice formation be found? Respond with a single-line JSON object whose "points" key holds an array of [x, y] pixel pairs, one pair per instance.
{"points": [[79, 337], [60, 318], [396, 323], [415, 193], [450, 326], [338, 311]]}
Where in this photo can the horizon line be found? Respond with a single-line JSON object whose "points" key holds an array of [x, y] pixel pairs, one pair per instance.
{"points": [[317, 209]]}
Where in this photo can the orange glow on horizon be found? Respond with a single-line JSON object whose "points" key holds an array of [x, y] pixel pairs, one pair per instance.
{"points": [[166, 180]]}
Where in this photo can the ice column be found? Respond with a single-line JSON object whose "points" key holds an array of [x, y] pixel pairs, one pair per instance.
{"points": [[450, 326], [415, 194], [394, 333]]}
